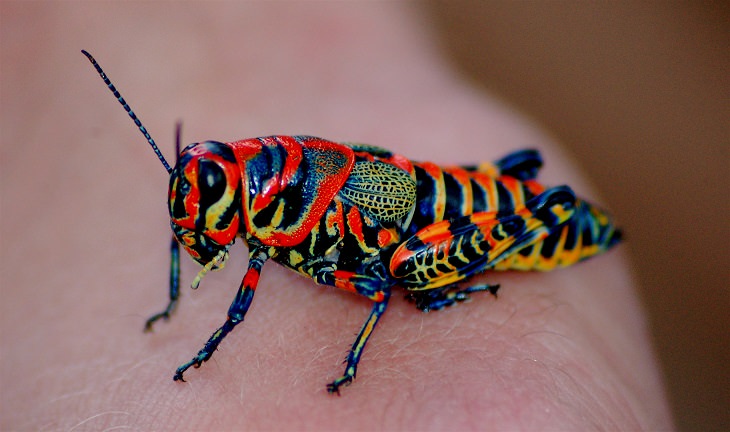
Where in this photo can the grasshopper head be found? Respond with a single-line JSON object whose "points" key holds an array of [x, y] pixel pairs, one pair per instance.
{"points": [[205, 199]]}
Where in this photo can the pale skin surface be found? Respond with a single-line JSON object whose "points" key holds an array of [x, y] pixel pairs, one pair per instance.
{"points": [[84, 238]]}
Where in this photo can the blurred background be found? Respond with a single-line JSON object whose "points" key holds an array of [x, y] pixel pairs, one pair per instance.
{"points": [[638, 92]]}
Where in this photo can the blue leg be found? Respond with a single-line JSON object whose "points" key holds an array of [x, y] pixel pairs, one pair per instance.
{"points": [[236, 312], [174, 286], [353, 357], [376, 286], [439, 298], [522, 165]]}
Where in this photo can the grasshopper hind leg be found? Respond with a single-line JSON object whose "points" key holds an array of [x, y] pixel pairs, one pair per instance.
{"points": [[439, 298]]}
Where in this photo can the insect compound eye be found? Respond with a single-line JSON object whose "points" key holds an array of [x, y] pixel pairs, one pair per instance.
{"points": [[211, 181], [218, 201], [205, 196], [179, 189]]}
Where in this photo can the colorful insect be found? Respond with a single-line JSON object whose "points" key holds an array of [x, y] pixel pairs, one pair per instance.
{"points": [[363, 219]]}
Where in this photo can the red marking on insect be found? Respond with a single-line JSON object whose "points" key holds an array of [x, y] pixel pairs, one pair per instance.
{"points": [[401, 162], [534, 187], [343, 280], [514, 187], [251, 279], [355, 222], [386, 237]]}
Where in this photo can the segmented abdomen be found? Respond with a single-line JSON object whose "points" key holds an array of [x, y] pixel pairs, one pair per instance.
{"points": [[451, 192]]}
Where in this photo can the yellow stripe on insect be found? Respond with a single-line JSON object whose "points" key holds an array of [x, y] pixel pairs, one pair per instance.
{"points": [[561, 212]]}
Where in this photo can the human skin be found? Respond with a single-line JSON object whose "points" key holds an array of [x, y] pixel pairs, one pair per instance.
{"points": [[565, 350]]}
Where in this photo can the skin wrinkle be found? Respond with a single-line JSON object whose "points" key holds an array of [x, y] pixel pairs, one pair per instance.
{"points": [[568, 391], [590, 386], [114, 428], [581, 399], [550, 387], [96, 416]]}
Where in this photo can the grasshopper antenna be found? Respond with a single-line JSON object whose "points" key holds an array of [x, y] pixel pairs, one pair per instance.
{"points": [[131, 113]]}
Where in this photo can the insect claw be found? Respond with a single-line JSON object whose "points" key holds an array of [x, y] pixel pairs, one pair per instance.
{"points": [[148, 325], [334, 386]]}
